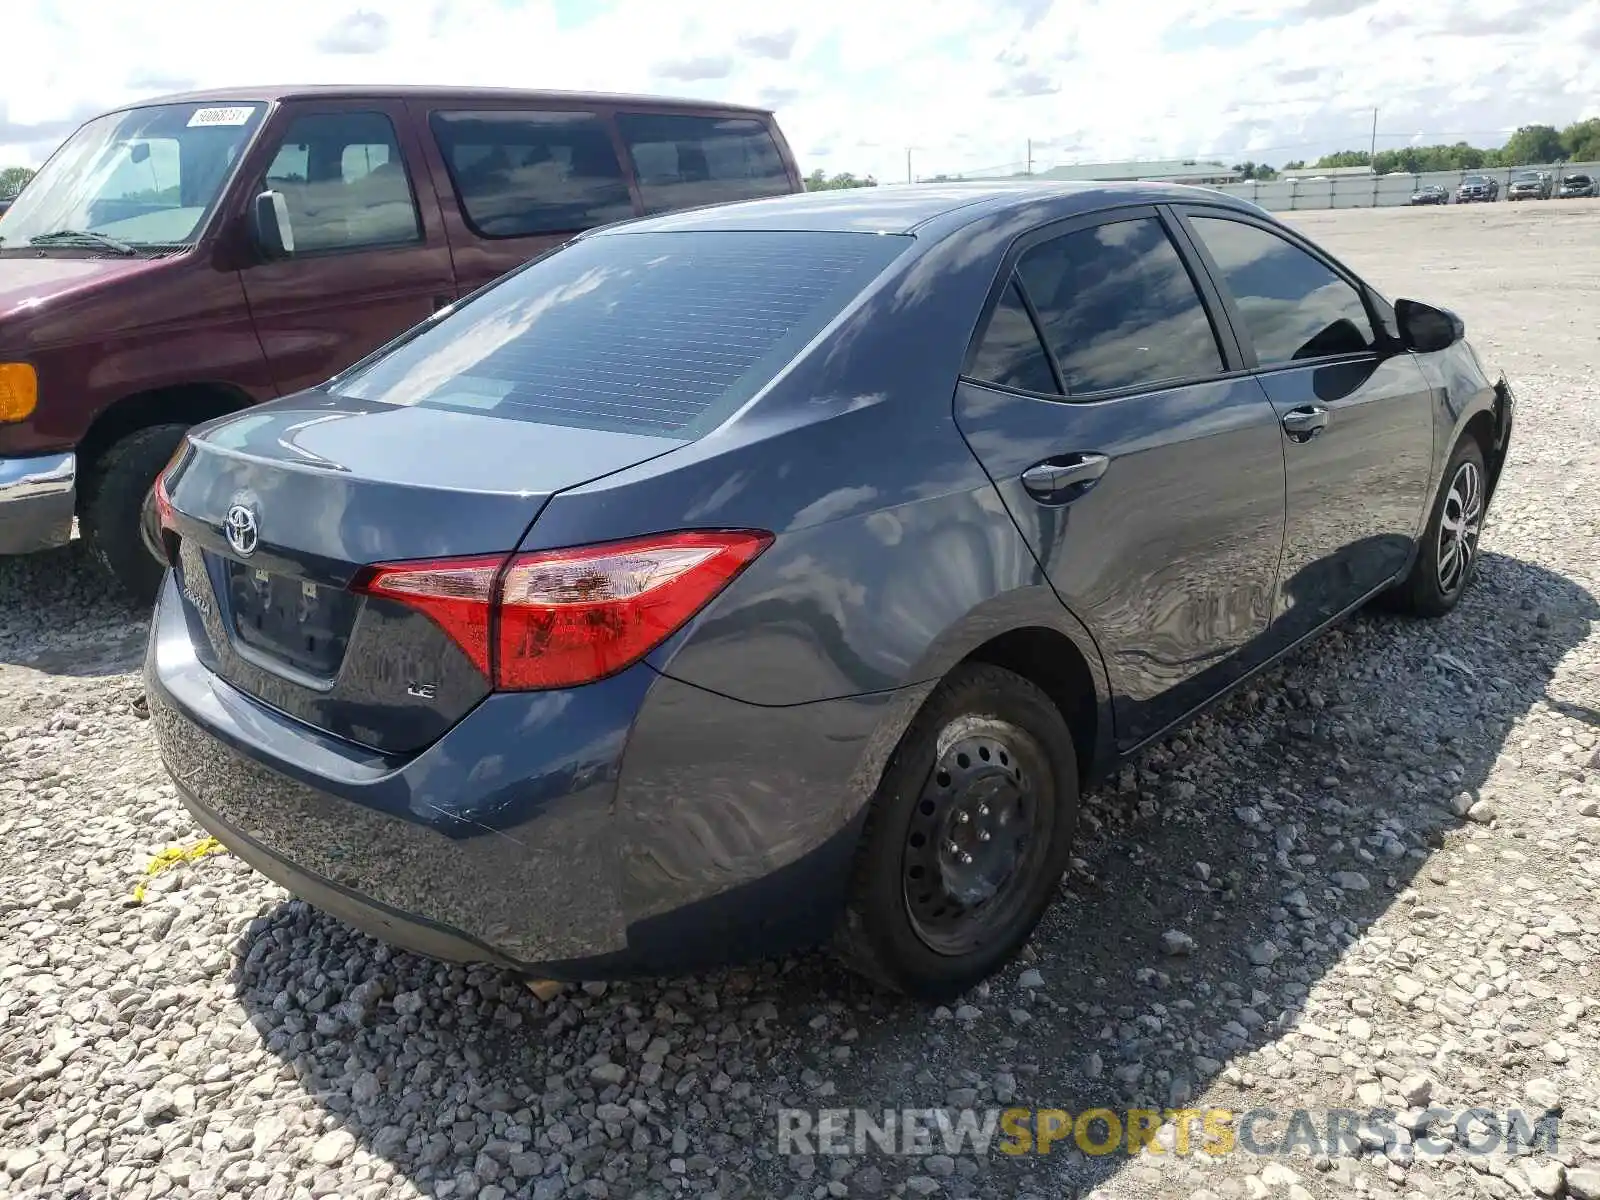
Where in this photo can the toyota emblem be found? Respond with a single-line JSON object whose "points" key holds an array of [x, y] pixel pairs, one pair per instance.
{"points": [[242, 532]]}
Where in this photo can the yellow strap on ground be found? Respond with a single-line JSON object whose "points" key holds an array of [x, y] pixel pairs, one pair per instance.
{"points": [[172, 856]]}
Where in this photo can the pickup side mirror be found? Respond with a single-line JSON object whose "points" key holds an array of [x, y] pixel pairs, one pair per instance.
{"points": [[274, 235], [1425, 329]]}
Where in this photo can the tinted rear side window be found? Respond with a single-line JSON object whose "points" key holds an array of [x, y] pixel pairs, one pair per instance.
{"points": [[1118, 308], [685, 161], [1011, 354], [523, 173], [649, 333]]}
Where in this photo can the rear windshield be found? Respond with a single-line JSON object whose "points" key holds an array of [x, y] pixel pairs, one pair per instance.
{"points": [[662, 334]]}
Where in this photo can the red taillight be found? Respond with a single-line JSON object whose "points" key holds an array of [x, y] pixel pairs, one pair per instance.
{"points": [[457, 593], [163, 539], [163, 496], [163, 502], [559, 618]]}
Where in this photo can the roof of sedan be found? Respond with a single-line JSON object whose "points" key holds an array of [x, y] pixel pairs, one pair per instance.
{"points": [[905, 207]]}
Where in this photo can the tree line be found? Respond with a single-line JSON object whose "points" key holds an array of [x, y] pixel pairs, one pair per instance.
{"points": [[12, 179], [817, 181], [1530, 145]]}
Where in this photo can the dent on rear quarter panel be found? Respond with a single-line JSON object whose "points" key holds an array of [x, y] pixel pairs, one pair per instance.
{"points": [[756, 854]]}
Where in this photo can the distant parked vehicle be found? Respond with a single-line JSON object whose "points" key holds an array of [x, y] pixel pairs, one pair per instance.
{"points": [[1478, 188], [1430, 193], [1530, 185], [5, 202], [185, 258], [1576, 186]]}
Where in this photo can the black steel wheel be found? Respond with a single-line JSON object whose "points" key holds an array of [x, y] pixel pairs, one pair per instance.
{"points": [[973, 834], [966, 837]]}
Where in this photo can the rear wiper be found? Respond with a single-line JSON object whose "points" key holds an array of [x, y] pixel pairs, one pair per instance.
{"points": [[78, 237]]}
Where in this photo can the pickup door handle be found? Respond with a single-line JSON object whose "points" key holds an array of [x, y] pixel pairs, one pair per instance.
{"points": [[1064, 478], [1304, 423]]}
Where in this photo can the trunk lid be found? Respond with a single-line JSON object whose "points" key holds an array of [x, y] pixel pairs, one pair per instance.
{"points": [[277, 508]]}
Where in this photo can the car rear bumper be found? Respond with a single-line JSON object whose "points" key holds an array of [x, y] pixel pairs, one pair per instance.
{"points": [[633, 826], [37, 498]]}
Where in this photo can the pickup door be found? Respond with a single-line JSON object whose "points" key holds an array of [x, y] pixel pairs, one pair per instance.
{"points": [[370, 258]]}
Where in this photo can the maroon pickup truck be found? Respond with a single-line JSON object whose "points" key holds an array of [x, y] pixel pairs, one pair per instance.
{"points": [[193, 255]]}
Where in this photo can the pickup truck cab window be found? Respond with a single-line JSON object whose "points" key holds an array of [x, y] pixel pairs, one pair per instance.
{"points": [[344, 181], [522, 173]]}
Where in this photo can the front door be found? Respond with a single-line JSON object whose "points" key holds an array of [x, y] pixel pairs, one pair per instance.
{"points": [[1146, 480], [370, 258], [1355, 410]]}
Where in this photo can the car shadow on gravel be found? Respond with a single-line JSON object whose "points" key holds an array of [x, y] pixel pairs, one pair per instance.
{"points": [[1219, 880], [60, 615]]}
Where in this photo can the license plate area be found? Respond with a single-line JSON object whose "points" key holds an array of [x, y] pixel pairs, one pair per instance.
{"points": [[304, 625]]}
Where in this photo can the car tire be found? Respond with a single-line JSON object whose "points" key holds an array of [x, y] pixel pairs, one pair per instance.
{"points": [[1447, 559], [115, 508], [985, 772]]}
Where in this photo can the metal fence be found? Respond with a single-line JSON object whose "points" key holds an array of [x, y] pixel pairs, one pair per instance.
{"points": [[1379, 191]]}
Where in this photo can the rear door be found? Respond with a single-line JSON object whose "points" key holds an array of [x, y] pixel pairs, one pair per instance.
{"points": [[1355, 410], [685, 160], [515, 181], [370, 258], [1142, 468]]}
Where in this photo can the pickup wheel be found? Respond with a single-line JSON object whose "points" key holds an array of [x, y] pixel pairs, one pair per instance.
{"points": [[966, 837], [114, 508], [1448, 557]]}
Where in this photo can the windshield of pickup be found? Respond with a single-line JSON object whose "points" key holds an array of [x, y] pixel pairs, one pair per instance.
{"points": [[1474, 181], [145, 177]]}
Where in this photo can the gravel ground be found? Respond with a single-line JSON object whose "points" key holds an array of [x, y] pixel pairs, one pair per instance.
{"points": [[1368, 881]]}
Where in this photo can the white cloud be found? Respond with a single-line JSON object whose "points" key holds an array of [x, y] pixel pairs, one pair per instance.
{"points": [[963, 83]]}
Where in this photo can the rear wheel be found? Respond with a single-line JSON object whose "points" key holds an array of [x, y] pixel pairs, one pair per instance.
{"points": [[1447, 559], [967, 836], [117, 508]]}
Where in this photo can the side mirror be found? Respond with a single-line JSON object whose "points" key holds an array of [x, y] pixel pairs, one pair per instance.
{"points": [[1424, 328], [273, 234]]}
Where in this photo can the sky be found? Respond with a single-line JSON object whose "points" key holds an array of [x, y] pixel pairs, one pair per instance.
{"points": [[960, 85]]}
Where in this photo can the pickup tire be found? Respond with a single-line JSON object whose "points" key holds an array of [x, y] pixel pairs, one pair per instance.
{"points": [[111, 510]]}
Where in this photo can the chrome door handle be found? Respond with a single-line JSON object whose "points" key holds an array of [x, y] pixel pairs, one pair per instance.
{"points": [[1055, 478], [1304, 423]]}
